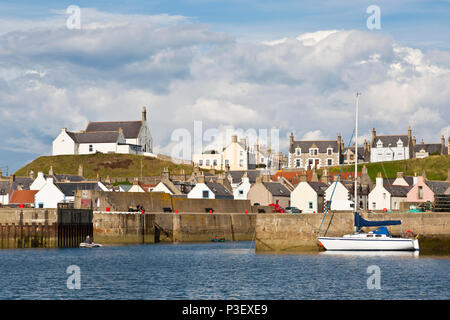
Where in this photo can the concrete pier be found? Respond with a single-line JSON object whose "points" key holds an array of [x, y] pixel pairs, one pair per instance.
{"points": [[123, 228], [298, 233]]}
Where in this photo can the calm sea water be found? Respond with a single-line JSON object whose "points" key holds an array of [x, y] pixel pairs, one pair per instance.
{"points": [[217, 271]]}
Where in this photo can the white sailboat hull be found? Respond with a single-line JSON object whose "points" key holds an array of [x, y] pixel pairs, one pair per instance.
{"points": [[368, 244]]}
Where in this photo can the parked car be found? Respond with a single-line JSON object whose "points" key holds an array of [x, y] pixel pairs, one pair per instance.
{"points": [[276, 207], [293, 210]]}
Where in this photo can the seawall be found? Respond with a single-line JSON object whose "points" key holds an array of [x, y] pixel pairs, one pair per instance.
{"points": [[298, 233], [28, 228], [129, 228]]}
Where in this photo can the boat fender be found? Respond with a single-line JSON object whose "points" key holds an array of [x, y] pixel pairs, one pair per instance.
{"points": [[408, 233]]}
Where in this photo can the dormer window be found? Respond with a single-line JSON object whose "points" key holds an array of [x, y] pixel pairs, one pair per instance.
{"points": [[298, 151], [379, 144], [400, 143], [329, 151], [313, 151]]}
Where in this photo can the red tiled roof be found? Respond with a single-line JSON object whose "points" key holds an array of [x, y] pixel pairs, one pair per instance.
{"points": [[23, 196]]}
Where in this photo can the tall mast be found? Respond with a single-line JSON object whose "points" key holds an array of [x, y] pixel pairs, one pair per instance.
{"points": [[356, 155]]}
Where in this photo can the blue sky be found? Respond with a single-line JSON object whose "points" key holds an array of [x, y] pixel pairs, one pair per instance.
{"points": [[210, 57]]}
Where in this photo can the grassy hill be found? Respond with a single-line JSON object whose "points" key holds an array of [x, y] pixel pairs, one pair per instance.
{"points": [[436, 167], [113, 165]]}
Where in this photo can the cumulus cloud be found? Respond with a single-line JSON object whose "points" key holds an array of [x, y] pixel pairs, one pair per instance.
{"points": [[52, 77]]}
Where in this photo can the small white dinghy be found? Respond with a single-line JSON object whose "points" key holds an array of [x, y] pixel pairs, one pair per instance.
{"points": [[90, 245]]}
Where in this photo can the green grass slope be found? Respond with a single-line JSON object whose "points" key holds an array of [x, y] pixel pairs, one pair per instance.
{"points": [[113, 165], [435, 167]]}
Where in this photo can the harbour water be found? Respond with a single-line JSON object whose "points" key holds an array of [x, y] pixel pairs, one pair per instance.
{"points": [[229, 270]]}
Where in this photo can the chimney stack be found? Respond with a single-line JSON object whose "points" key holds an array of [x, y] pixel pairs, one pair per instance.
{"points": [[314, 177], [374, 134], [414, 141], [442, 145], [303, 176], [266, 178], [50, 172], [201, 178], [81, 170], [325, 176], [165, 174], [234, 138]]}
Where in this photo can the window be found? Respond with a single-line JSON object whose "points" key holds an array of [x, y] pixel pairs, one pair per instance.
{"points": [[310, 205], [200, 162], [378, 235], [384, 196], [227, 162], [298, 163], [91, 148], [215, 162], [374, 205], [241, 192], [329, 162], [241, 153], [329, 151], [207, 162], [313, 151], [298, 151], [205, 194], [420, 192], [262, 159], [241, 163]]}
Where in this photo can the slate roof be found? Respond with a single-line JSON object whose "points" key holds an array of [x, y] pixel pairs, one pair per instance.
{"points": [[323, 145], [429, 147], [131, 129], [277, 189], [69, 188], [236, 176], [409, 180], [397, 191], [95, 137], [391, 139], [218, 189], [319, 187], [438, 187], [125, 187], [4, 188], [23, 196]]}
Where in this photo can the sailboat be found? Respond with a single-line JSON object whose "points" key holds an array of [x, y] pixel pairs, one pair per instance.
{"points": [[378, 240]]}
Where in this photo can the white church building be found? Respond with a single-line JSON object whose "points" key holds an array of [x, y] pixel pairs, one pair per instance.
{"points": [[131, 137]]}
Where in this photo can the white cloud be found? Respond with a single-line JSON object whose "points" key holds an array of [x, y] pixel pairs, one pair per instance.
{"points": [[52, 77]]}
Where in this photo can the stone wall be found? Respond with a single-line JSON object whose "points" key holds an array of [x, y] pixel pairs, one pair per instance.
{"points": [[122, 228], [291, 233], [160, 202], [28, 228]]}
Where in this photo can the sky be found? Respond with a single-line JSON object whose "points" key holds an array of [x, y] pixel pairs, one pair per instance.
{"points": [[290, 66]]}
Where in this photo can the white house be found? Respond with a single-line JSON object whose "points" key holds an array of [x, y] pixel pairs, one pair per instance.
{"points": [[53, 193], [387, 196], [241, 191], [308, 196], [391, 147], [115, 136], [209, 190], [341, 196]]}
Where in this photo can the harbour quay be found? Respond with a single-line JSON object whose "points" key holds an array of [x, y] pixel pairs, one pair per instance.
{"points": [[290, 233]]}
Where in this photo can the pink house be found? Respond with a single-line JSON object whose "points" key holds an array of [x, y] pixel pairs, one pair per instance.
{"points": [[424, 190]]}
